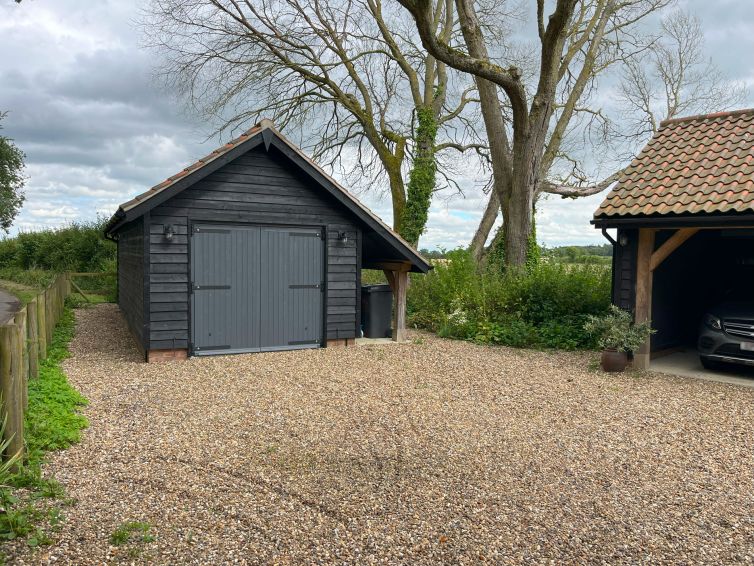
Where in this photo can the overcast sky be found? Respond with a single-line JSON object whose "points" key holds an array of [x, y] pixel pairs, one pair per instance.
{"points": [[97, 129]]}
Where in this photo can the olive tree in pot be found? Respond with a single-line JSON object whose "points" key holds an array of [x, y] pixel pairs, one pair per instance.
{"points": [[617, 335]]}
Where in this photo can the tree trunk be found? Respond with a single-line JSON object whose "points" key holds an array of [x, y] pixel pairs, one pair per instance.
{"points": [[518, 209], [494, 124], [421, 181], [397, 194], [485, 226]]}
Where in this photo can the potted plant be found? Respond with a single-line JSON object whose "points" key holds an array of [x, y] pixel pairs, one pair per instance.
{"points": [[617, 335]]}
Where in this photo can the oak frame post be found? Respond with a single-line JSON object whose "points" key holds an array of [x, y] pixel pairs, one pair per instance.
{"points": [[643, 311], [399, 306]]}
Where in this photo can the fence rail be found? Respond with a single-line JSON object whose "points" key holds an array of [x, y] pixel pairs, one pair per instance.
{"points": [[23, 343]]}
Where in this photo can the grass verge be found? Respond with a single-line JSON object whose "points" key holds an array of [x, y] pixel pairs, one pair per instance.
{"points": [[22, 292], [36, 279], [31, 502], [26, 284]]}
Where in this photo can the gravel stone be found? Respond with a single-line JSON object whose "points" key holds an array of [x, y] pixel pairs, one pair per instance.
{"points": [[434, 451]]}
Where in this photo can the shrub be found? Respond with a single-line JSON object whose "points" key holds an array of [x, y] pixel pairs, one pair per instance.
{"points": [[451, 287], [553, 291], [617, 331], [515, 333], [37, 278], [33, 258], [78, 247], [544, 305]]}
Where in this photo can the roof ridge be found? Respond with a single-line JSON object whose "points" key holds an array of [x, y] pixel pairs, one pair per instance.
{"points": [[259, 128], [710, 116]]}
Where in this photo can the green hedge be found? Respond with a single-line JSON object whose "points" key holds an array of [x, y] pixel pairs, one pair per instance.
{"points": [[34, 258], [78, 247], [543, 306]]}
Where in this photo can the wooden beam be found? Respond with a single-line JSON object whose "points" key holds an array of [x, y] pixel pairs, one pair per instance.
{"points": [[80, 292], [388, 265], [390, 279], [399, 305], [673, 243], [644, 291], [93, 274]]}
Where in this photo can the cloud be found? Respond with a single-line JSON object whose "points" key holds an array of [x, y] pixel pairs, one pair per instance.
{"points": [[97, 129]]}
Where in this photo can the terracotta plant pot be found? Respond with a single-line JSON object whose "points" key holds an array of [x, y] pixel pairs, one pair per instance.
{"points": [[613, 361]]}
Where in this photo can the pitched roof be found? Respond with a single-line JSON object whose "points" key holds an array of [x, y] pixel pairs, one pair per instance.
{"points": [[219, 152], [263, 132], [695, 165]]}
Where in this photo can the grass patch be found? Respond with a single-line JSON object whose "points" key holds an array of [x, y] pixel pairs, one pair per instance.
{"points": [[34, 278], [22, 292], [25, 284], [132, 531], [52, 419], [76, 301], [52, 422]]}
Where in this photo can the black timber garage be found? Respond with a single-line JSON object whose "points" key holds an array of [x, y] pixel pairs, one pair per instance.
{"points": [[252, 248], [684, 248]]}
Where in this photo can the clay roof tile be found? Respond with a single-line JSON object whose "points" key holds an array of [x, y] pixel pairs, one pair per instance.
{"points": [[697, 164]]}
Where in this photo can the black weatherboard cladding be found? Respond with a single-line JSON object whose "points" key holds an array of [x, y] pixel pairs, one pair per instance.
{"points": [[259, 187], [131, 277], [624, 269]]}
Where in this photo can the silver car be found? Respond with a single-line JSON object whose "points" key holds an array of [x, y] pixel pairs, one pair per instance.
{"points": [[726, 335]]}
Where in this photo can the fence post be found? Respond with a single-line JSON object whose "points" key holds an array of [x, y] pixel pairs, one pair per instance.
{"points": [[54, 304], [23, 362], [61, 294], [19, 382], [32, 333], [54, 292], [12, 411], [42, 326], [48, 313]]}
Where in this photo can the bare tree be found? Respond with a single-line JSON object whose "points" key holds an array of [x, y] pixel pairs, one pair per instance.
{"points": [[351, 72], [577, 41], [661, 77], [673, 78]]}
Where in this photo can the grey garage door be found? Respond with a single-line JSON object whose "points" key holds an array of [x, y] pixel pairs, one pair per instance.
{"points": [[256, 288]]}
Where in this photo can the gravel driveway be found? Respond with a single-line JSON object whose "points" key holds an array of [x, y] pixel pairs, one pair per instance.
{"points": [[430, 452]]}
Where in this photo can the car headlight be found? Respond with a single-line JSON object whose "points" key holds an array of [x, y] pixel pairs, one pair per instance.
{"points": [[712, 321]]}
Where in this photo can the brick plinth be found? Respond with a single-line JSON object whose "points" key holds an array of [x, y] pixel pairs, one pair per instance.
{"points": [[341, 342], [166, 355]]}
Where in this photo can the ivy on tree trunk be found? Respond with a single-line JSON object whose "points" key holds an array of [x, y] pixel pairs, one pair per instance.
{"points": [[421, 181]]}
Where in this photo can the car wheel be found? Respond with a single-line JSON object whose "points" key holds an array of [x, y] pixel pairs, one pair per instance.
{"points": [[709, 364]]}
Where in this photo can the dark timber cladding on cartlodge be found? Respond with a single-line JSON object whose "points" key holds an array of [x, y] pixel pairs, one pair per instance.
{"points": [[684, 214], [252, 248]]}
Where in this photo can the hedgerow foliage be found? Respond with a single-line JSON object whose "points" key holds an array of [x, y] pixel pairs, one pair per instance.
{"points": [[545, 305], [78, 247]]}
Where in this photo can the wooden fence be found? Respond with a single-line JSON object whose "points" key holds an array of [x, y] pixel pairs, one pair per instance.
{"points": [[23, 343]]}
